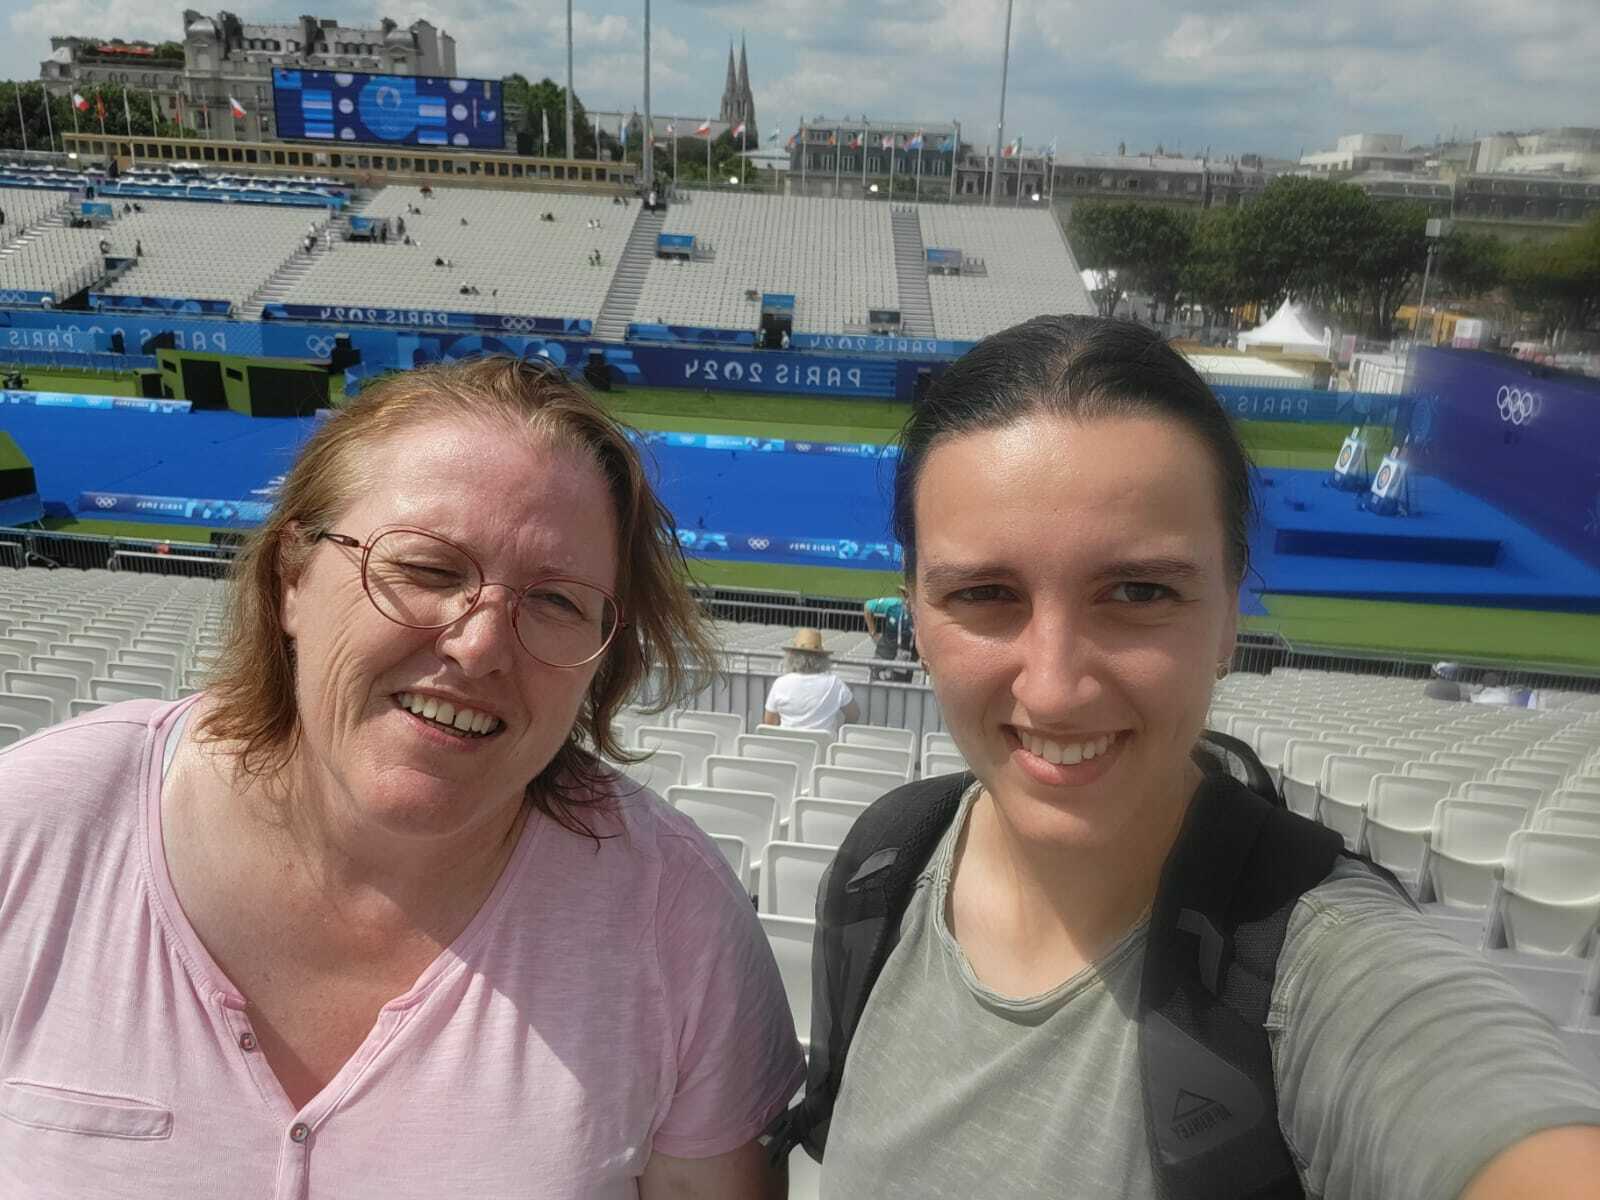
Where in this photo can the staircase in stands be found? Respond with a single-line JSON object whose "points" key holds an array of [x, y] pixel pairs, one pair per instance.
{"points": [[281, 282], [911, 271], [627, 281]]}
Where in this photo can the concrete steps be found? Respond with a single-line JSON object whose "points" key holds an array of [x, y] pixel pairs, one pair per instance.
{"points": [[911, 272], [627, 281]]}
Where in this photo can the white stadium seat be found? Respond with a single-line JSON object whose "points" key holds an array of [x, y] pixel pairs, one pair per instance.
{"points": [[791, 872]]}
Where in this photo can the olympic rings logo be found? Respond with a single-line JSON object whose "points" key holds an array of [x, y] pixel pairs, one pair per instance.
{"points": [[518, 324], [1517, 406], [105, 501], [759, 543], [320, 347]]}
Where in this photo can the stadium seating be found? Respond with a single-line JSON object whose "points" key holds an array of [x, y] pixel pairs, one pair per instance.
{"points": [[692, 744], [823, 822], [790, 875], [1030, 269], [204, 251], [52, 258], [791, 938], [518, 263], [836, 257]]}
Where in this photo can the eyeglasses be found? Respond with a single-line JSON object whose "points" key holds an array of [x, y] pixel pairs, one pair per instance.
{"points": [[423, 581]]}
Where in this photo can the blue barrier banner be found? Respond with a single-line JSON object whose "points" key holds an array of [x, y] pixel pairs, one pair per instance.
{"points": [[287, 195], [179, 507], [1524, 442], [751, 371], [1305, 405], [755, 445], [105, 301], [781, 302], [873, 343], [76, 332], [26, 297], [95, 208], [426, 319], [643, 331], [98, 403], [675, 243], [363, 224], [701, 543], [944, 259]]}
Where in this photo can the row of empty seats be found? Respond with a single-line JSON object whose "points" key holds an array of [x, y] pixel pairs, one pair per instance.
{"points": [[836, 257], [1031, 269], [518, 263], [52, 258]]}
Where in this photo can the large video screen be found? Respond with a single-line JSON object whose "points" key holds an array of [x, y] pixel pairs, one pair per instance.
{"points": [[347, 106]]}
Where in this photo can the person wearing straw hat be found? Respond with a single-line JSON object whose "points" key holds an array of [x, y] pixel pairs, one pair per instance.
{"points": [[808, 695]]}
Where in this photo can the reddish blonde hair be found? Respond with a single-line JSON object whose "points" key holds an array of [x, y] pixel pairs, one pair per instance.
{"points": [[252, 683]]}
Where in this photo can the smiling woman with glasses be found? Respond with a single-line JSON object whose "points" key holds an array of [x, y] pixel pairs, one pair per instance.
{"points": [[369, 915]]}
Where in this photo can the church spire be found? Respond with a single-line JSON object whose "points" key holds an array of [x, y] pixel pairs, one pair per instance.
{"points": [[744, 72]]}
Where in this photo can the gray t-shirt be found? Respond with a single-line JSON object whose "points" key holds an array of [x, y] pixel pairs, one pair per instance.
{"points": [[1403, 1062]]}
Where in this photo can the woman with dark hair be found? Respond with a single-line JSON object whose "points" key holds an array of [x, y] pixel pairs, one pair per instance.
{"points": [[1075, 509], [368, 916]]}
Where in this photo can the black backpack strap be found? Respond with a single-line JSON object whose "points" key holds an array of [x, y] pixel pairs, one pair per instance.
{"points": [[860, 906], [1227, 891]]}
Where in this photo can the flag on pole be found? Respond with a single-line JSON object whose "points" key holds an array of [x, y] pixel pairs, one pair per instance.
{"points": [[737, 130], [100, 111], [916, 142], [1011, 149], [622, 134], [236, 109], [79, 103], [949, 143], [127, 116], [671, 130], [703, 129], [544, 121], [833, 137]]}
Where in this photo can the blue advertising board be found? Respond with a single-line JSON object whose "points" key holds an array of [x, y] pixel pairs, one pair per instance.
{"points": [[751, 371], [878, 343], [1249, 403], [1527, 442], [67, 333], [646, 331], [173, 304], [422, 318], [755, 445], [94, 403], [348, 106], [798, 551], [675, 243], [944, 260], [96, 208], [180, 508], [26, 297]]}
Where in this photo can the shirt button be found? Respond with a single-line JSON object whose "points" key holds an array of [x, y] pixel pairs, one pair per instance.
{"points": [[247, 1041], [299, 1131]]}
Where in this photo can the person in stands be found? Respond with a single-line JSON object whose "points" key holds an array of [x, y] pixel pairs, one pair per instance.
{"points": [[808, 695], [369, 915], [1099, 965], [889, 625]]}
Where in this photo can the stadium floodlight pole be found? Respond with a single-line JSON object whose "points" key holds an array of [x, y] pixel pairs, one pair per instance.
{"points": [[1000, 126], [50, 126], [1019, 172], [647, 163], [917, 190], [22, 125], [572, 146]]}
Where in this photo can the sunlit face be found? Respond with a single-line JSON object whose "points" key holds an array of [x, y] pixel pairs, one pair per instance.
{"points": [[525, 511], [1072, 598]]}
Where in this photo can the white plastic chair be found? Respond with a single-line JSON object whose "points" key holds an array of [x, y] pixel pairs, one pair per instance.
{"points": [[1343, 791], [1302, 773], [58, 689], [1551, 893], [694, 745], [872, 758], [153, 658], [791, 873], [1567, 820], [160, 676], [878, 735], [1501, 793], [803, 753], [725, 726], [820, 738], [823, 822], [1482, 763], [1575, 797], [752, 817], [738, 855], [942, 762], [10, 734], [80, 669], [1398, 821], [657, 773], [1444, 771], [1528, 777], [1270, 743], [71, 648], [941, 742], [855, 784], [779, 778], [78, 707], [791, 939], [1467, 848], [627, 720], [112, 691]]}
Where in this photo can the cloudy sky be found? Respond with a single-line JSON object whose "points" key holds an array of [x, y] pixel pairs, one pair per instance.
{"points": [[1270, 76]]}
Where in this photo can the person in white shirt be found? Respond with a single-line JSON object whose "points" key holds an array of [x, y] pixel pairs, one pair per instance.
{"points": [[808, 695]]}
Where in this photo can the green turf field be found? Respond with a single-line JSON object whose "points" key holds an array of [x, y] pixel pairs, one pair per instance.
{"points": [[86, 383], [1435, 630]]}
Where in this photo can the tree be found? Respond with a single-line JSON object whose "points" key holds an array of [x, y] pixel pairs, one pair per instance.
{"points": [[1470, 264], [1391, 253], [1559, 281], [547, 101], [1303, 237], [1145, 245], [39, 130], [1211, 276]]}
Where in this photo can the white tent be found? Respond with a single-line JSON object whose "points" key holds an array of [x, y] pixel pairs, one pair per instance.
{"points": [[1288, 330]]}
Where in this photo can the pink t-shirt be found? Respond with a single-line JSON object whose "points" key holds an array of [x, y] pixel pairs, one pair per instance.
{"points": [[603, 1003]]}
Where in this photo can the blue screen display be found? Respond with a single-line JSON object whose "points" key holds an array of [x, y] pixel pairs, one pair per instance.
{"points": [[347, 106]]}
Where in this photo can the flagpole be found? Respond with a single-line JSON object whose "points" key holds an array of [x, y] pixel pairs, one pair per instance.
{"points": [[1000, 127], [1051, 195], [838, 158], [955, 153], [917, 193], [155, 119], [1019, 173], [100, 109], [893, 154], [49, 124], [708, 151], [572, 146], [73, 104], [802, 158], [742, 159], [864, 132], [22, 125], [647, 158], [672, 126]]}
